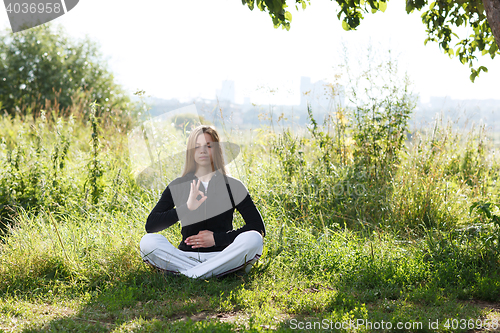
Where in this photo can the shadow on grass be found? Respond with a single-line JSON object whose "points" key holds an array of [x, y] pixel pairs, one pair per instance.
{"points": [[391, 316], [150, 301]]}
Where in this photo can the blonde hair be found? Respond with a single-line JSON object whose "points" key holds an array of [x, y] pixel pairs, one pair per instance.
{"points": [[217, 157]]}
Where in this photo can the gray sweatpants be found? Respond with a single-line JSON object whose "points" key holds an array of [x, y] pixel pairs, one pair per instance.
{"points": [[240, 254]]}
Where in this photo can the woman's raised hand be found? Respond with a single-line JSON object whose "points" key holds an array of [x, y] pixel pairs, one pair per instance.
{"points": [[192, 202]]}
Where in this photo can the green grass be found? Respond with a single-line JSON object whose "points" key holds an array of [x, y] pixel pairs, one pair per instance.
{"points": [[408, 249]]}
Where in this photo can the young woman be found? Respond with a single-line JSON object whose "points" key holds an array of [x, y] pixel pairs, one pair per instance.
{"points": [[204, 199]]}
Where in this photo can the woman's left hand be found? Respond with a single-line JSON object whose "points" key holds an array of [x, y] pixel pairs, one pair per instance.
{"points": [[204, 238]]}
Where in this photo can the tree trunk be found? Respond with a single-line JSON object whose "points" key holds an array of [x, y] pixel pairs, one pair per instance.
{"points": [[492, 8]]}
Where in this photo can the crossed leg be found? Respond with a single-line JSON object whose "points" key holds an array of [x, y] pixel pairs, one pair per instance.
{"points": [[245, 250]]}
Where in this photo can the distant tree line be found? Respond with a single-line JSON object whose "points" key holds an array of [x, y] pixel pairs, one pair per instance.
{"points": [[44, 65]]}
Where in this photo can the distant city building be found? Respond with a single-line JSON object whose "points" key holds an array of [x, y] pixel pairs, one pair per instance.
{"points": [[227, 92], [462, 113], [321, 95]]}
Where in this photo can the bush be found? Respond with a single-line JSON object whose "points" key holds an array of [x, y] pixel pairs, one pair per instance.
{"points": [[44, 68]]}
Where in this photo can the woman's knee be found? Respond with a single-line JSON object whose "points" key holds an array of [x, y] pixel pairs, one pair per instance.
{"points": [[251, 239], [149, 243]]}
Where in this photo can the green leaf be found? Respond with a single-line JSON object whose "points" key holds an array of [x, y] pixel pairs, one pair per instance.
{"points": [[261, 5], [345, 26], [471, 208], [288, 16], [303, 5], [473, 75], [382, 6], [493, 48], [482, 68]]}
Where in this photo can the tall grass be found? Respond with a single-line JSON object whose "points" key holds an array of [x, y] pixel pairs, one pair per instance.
{"points": [[341, 244], [361, 223]]}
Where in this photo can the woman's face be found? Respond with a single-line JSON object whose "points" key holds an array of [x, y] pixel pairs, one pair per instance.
{"points": [[203, 150]]}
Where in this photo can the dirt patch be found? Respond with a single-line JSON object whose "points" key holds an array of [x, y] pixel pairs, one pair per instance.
{"points": [[203, 315], [53, 311], [485, 305], [493, 314], [230, 317]]}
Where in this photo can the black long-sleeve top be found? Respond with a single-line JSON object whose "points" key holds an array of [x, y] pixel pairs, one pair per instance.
{"points": [[214, 214]]}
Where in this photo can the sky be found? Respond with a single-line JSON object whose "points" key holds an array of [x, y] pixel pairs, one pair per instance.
{"points": [[185, 49]]}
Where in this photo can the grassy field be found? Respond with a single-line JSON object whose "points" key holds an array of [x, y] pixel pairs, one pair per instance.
{"points": [[357, 241]]}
